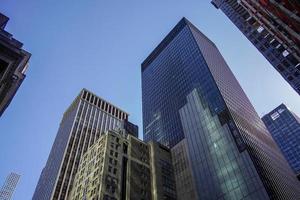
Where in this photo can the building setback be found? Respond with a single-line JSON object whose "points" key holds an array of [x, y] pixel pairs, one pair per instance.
{"points": [[9, 186], [82, 124], [13, 65], [190, 95], [284, 126], [273, 27], [120, 166]]}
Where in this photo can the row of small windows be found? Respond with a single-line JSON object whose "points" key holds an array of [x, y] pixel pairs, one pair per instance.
{"points": [[273, 23], [269, 37], [289, 61], [260, 29], [104, 105]]}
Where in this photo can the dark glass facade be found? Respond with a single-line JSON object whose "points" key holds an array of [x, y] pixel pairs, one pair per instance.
{"points": [[177, 69], [284, 126], [277, 39], [220, 170], [130, 128], [190, 93]]}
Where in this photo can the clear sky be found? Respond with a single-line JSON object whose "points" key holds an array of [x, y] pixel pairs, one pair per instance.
{"points": [[100, 45]]}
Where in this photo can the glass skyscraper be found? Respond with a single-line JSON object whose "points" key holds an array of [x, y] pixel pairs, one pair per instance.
{"points": [[273, 27], [85, 120], [189, 93], [284, 125]]}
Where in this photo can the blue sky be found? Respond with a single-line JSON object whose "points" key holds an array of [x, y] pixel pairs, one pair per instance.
{"points": [[99, 45]]}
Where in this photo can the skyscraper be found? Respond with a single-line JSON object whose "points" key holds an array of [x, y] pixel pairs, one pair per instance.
{"points": [[13, 65], [284, 126], [116, 167], [9, 186], [119, 166], [82, 124], [273, 27], [190, 94]]}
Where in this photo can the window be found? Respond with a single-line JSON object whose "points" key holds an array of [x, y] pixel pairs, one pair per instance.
{"points": [[260, 29], [106, 107], [280, 68], [125, 147], [278, 46], [275, 115], [109, 110], [251, 21], [290, 78], [281, 110], [292, 59], [285, 53], [3, 67], [84, 94], [275, 43], [285, 64], [113, 111]]}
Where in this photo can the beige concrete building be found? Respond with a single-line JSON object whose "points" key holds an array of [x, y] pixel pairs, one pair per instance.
{"points": [[116, 167], [119, 166]]}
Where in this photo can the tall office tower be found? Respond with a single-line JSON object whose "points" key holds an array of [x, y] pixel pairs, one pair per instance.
{"points": [[82, 124], [284, 126], [273, 27], [116, 167], [9, 186], [13, 65], [190, 93]]}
